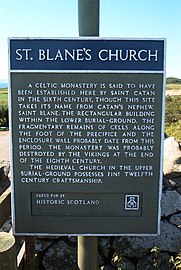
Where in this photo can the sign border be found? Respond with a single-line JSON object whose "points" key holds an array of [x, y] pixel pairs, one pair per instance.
{"points": [[88, 71]]}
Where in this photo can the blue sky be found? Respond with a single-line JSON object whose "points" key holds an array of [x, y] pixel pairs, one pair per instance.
{"points": [[118, 18]]}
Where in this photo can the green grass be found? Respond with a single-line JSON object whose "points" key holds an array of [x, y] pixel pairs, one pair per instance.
{"points": [[174, 130], [173, 116], [173, 86], [4, 108], [4, 96]]}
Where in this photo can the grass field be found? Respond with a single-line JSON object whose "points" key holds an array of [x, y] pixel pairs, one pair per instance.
{"points": [[4, 122], [173, 86], [3, 96], [173, 116]]}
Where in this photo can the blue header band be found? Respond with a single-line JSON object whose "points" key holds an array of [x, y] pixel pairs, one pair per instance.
{"points": [[87, 54]]}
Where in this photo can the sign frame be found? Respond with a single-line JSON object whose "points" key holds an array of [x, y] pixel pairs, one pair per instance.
{"points": [[132, 200]]}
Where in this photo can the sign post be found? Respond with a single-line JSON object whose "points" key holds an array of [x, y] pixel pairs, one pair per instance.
{"points": [[87, 252], [88, 12]]}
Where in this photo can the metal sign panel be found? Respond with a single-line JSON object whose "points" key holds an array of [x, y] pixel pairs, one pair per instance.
{"points": [[86, 135]]}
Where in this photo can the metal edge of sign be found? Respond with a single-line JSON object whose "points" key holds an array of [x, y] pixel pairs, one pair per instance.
{"points": [[87, 71], [88, 38], [11, 140], [86, 234], [162, 136]]}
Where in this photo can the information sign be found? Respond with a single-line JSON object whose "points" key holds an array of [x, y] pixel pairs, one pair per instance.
{"points": [[86, 135]]}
